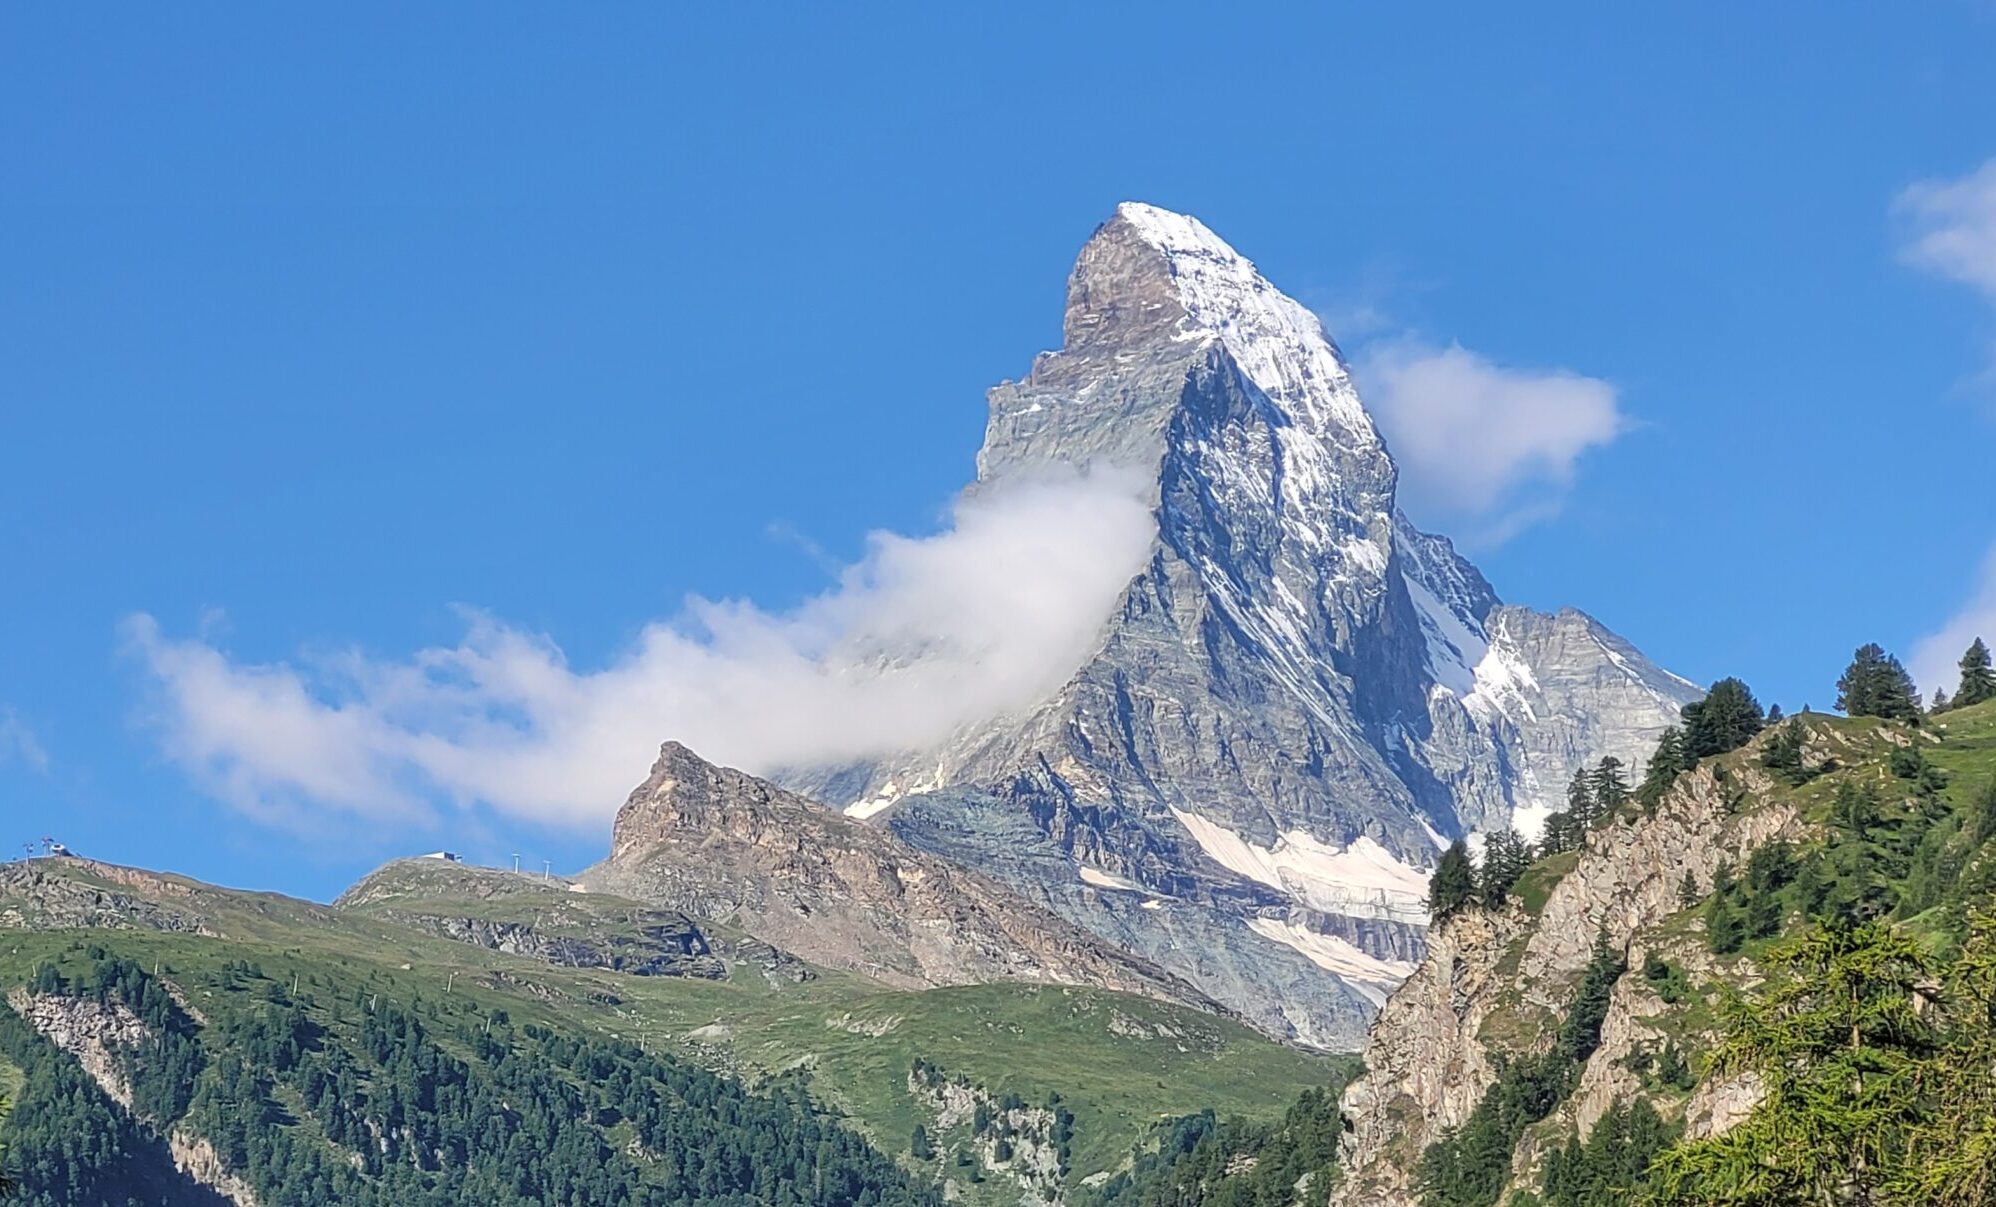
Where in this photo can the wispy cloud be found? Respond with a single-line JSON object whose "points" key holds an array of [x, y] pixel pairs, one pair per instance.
{"points": [[1488, 448], [922, 636], [18, 743], [1936, 659], [1950, 230]]}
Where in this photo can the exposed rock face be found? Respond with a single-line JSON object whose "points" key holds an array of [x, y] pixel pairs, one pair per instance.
{"points": [[37, 895], [1505, 979], [1425, 1065], [546, 919], [92, 1032], [96, 1035], [194, 1156], [719, 844], [1198, 932], [1018, 1141], [1301, 696], [669, 948]]}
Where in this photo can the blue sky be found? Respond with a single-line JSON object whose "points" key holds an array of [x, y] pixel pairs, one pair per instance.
{"points": [[314, 333]]}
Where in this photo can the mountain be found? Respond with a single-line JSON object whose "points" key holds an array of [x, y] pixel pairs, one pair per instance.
{"points": [[452, 1034], [1298, 700], [715, 842], [1673, 916]]}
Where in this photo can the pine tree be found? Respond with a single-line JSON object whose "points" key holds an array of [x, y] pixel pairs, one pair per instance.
{"points": [[1724, 930], [1763, 915], [1664, 766], [1876, 685], [1580, 1032], [1982, 815], [1454, 882], [1560, 833], [1580, 799], [1504, 858], [1726, 719], [1783, 753], [1687, 891], [1951, 1152], [919, 1146], [1978, 680], [1610, 788], [1940, 704]]}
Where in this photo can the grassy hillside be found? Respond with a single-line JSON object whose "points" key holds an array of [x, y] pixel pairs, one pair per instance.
{"points": [[1114, 1064], [1893, 839]]}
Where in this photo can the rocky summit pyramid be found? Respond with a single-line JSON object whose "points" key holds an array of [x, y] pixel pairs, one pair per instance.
{"points": [[1299, 700]]}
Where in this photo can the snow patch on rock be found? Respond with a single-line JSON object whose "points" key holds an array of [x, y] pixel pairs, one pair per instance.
{"points": [[1371, 976], [1102, 879], [1362, 880]]}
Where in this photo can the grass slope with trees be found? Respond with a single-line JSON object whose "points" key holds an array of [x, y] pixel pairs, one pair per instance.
{"points": [[830, 1053]]}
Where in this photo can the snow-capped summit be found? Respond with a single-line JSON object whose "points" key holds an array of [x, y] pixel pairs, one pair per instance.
{"points": [[1298, 699], [1276, 341]]}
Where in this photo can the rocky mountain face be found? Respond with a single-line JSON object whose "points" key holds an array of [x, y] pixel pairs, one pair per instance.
{"points": [[1300, 698], [564, 928], [1493, 986], [716, 843]]}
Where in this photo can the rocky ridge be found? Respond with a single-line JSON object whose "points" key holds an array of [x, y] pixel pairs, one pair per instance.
{"points": [[717, 843], [1498, 983]]}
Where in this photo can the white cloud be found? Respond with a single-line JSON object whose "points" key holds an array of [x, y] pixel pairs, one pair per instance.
{"points": [[18, 743], [1483, 444], [1951, 227], [1936, 659], [920, 637]]}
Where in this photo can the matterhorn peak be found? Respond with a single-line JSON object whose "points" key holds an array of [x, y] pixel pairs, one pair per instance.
{"points": [[1157, 299], [1299, 698]]}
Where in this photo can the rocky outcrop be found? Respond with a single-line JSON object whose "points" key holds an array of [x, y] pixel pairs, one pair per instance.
{"points": [[1426, 1066], [1300, 696], [98, 1035], [1500, 982], [714, 842], [669, 948], [93, 1033], [64, 893], [195, 1157], [1719, 1104], [1008, 1137], [551, 919]]}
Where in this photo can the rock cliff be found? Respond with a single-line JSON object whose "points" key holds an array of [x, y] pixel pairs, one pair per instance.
{"points": [[1495, 984], [716, 843]]}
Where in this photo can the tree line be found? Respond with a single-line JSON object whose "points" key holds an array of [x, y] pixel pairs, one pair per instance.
{"points": [[322, 1097], [1874, 684]]}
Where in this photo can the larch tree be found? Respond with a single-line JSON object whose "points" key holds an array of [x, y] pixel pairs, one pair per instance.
{"points": [[1842, 1046]]}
